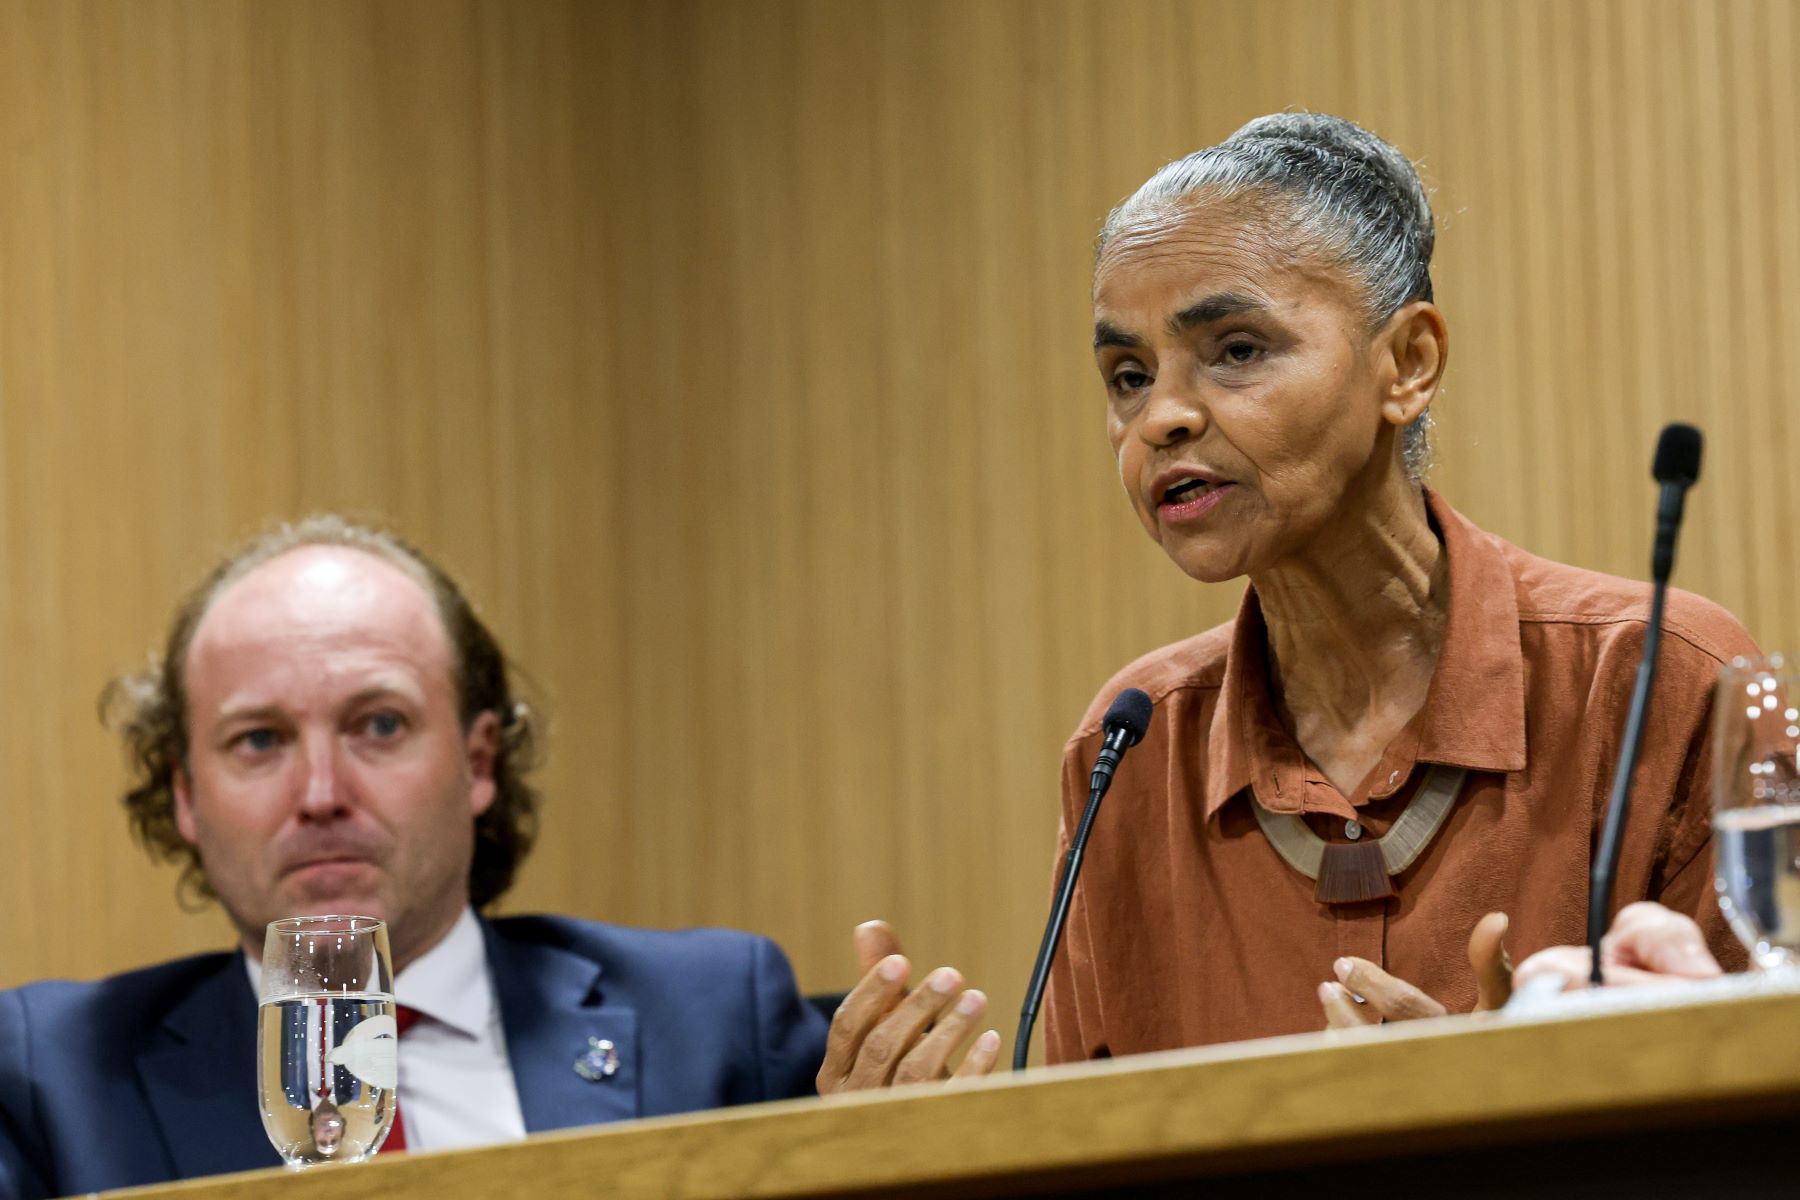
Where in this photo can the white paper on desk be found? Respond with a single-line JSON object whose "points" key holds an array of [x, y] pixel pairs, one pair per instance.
{"points": [[1544, 999]]}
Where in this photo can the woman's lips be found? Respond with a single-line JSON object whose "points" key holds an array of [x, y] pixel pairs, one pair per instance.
{"points": [[1192, 506]]}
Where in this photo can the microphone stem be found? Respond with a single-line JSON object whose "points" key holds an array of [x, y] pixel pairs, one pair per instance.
{"points": [[1059, 915], [1612, 834]]}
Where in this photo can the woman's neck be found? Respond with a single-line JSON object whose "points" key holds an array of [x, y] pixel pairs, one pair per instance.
{"points": [[1355, 626]]}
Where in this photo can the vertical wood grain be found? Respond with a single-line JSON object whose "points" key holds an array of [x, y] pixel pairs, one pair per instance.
{"points": [[736, 357]]}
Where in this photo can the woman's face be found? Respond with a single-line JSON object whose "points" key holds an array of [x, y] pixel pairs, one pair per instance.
{"points": [[1244, 390]]}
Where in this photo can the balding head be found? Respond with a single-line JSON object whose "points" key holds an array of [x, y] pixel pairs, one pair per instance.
{"points": [[312, 603]]}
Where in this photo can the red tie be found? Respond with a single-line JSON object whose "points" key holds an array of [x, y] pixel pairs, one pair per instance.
{"points": [[404, 1018]]}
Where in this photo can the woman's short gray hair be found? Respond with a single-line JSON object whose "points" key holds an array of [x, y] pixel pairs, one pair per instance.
{"points": [[1350, 195]]}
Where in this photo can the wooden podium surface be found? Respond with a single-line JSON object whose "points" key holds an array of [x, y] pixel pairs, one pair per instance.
{"points": [[1664, 1101]]}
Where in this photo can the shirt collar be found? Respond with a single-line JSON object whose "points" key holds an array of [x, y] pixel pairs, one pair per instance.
{"points": [[449, 982], [1474, 713]]}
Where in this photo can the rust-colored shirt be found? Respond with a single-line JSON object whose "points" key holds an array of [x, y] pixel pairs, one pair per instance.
{"points": [[1188, 927]]}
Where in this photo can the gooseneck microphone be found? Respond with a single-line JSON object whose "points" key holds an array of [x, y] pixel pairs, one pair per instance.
{"points": [[1123, 728], [1676, 468]]}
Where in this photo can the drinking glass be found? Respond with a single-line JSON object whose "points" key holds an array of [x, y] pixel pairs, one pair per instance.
{"points": [[1756, 806], [326, 1063]]}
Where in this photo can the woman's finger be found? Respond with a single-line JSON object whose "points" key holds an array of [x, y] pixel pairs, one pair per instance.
{"points": [[1341, 1009], [1487, 957], [982, 1058], [861, 1012], [1394, 999], [930, 1057], [894, 1036]]}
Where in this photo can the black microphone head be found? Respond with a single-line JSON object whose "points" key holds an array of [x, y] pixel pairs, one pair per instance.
{"points": [[1130, 711], [1677, 455]]}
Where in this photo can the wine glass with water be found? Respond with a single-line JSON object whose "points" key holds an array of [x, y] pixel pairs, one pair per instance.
{"points": [[326, 1062], [1756, 806]]}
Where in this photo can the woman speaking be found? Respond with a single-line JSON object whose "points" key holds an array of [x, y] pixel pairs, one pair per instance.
{"points": [[1410, 723]]}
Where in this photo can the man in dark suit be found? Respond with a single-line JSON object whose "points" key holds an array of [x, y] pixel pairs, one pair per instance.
{"points": [[151, 1076], [331, 729]]}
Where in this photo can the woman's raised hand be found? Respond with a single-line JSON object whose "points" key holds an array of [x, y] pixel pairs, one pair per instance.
{"points": [[884, 1034]]}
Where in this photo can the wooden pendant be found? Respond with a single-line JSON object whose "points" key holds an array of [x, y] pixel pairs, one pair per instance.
{"points": [[1362, 871], [1352, 872]]}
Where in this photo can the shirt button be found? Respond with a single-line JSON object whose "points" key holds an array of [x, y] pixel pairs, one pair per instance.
{"points": [[1353, 829]]}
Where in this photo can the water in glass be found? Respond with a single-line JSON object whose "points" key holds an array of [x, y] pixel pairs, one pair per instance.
{"points": [[1756, 799], [327, 1040], [327, 1076]]}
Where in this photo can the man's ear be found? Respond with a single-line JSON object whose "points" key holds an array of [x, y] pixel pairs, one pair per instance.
{"points": [[482, 749], [1418, 344], [182, 786]]}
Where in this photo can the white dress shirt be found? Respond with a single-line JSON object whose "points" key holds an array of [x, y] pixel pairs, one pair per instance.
{"points": [[456, 1082]]}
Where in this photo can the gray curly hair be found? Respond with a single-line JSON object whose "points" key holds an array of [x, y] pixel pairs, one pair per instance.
{"points": [[1350, 196]]}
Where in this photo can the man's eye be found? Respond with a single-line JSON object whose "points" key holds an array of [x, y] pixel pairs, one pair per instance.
{"points": [[257, 741], [384, 725]]}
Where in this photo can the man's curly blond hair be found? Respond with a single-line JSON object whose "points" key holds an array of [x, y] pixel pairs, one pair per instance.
{"points": [[148, 708]]}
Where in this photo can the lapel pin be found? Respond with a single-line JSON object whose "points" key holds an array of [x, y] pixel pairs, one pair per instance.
{"points": [[600, 1061]]}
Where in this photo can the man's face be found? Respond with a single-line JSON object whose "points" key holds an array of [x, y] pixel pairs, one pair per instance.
{"points": [[328, 770]]}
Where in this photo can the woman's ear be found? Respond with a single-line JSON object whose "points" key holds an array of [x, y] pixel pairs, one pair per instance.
{"points": [[1418, 343]]}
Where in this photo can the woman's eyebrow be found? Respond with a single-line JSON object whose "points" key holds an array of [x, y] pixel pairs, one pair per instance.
{"points": [[1202, 312], [1108, 334], [1213, 308]]}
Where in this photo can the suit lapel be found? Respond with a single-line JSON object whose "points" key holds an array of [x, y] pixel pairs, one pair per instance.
{"points": [[553, 1012], [199, 1075]]}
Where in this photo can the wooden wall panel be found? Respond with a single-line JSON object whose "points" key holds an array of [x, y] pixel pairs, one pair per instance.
{"points": [[735, 355]]}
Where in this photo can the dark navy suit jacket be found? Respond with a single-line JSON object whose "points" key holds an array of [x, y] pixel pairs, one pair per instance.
{"points": [[151, 1076]]}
